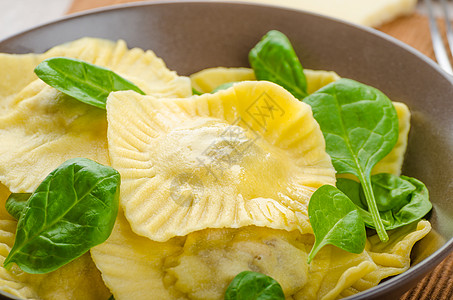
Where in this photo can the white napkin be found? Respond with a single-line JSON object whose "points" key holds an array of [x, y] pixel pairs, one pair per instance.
{"points": [[18, 15]]}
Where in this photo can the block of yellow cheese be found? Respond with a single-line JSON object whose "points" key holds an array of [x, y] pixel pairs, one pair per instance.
{"points": [[364, 12]]}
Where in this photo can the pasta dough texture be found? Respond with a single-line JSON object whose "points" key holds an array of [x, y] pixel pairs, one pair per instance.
{"points": [[207, 80], [246, 166], [393, 162], [203, 263], [45, 127]]}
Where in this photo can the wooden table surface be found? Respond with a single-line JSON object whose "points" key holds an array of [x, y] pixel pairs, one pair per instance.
{"points": [[414, 31]]}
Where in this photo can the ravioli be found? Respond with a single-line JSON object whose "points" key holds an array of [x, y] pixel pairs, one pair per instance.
{"points": [[143, 68], [202, 264], [132, 266], [316, 79], [216, 256], [393, 162], [10, 282], [80, 279], [40, 127], [45, 129], [343, 274], [217, 160], [77, 280], [205, 81], [4, 194]]}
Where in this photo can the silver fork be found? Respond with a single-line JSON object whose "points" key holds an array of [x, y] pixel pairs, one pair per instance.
{"points": [[438, 44]]}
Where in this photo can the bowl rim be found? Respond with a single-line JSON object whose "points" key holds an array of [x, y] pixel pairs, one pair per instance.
{"points": [[424, 266], [122, 6]]}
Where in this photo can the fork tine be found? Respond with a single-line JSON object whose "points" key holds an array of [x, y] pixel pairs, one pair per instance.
{"points": [[448, 25], [438, 45]]}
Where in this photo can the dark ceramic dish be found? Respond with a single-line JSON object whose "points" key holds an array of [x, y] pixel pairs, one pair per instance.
{"points": [[190, 36]]}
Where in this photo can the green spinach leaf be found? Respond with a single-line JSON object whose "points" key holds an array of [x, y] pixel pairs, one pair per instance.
{"points": [[249, 285], [195, 92], [223, 86], [72, 210], [275, 60], [85, 82], [400, 200], [360, 126], [335, 220], [16, 203]]}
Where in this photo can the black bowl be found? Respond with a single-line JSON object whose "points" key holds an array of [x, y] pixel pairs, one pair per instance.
{"points": [[190, 36]]}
